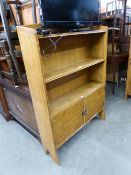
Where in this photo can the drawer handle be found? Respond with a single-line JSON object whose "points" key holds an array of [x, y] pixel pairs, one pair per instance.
{"points": [[20, 109]]}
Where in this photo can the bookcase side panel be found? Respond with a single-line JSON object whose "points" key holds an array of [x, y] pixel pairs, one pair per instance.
{"points": [[33, 65], [128, 83]]}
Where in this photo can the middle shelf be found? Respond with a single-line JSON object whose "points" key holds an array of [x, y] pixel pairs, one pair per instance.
{"points": [[67, 70]]}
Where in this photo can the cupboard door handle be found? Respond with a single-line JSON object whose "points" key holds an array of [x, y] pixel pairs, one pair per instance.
{"points": [[84, 113]]}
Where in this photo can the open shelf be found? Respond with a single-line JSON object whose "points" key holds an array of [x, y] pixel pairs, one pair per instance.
{"points": [[67, 70], [67, 100]]}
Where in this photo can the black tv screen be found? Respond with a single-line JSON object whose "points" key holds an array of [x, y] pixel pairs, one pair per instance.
{"points": [[69, 13]]}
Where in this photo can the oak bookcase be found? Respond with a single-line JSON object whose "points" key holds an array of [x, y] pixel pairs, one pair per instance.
{"points": [[66, 80], [128, 82]]}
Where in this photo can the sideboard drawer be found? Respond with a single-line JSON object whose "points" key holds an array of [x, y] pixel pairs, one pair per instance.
{"points": [[23, 109]]}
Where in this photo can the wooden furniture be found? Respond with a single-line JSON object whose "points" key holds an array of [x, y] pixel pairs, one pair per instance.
{"points": [[128, 82], [66, 81], [114, 18], [6, 64], [115, 14], [118, 54], [4, 110], [17, 104], [128, 28], [15, 98], [26, 9], [115, 61]]}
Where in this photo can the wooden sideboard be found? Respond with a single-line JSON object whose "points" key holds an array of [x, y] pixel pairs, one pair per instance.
{"points": [[67, 82], [17, 104]]}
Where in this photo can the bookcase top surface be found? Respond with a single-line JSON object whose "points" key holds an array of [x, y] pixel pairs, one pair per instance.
{"points": [[73, 33], [32, 30]]}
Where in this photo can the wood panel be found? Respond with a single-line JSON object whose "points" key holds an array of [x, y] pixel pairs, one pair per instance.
{"points": [[128, 82], [66, 84], [27, 16], [26, 12], [4, 105], [94, 103], [33, 65], [66, 122]]}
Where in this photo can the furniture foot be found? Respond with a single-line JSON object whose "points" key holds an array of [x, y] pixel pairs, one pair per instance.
{"points": [[55, 158], [102, 115], [8, 117], [53, 154]]}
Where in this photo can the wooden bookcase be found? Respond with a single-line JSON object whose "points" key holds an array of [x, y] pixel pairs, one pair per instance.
{"points": [[128, 82], [67, 84]]}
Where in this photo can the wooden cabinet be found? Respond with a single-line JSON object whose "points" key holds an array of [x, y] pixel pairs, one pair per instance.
{"points": [[66, 80], [17, 104]]}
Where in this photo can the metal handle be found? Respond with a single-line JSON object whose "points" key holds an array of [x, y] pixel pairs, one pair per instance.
{"points": [[20, 109], [84, 113]]}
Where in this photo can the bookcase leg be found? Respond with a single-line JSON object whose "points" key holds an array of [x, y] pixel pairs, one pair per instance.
{"points": [[54, 157], [102, 115], [53, 153]]}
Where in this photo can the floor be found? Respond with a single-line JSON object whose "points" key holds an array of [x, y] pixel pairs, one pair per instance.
{"points": [[101, 148]]}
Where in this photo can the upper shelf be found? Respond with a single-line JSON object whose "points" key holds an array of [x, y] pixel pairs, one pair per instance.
{"points": [[85, 32], [67, 70]]}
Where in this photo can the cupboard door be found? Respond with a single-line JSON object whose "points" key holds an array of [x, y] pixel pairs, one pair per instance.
{"points": [[94, 103], [67, 123]]}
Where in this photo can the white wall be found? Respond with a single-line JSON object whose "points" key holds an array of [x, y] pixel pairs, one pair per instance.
{"points": [[129, 3], [103, 2]]}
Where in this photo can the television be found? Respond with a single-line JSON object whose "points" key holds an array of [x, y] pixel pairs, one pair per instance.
{"points": [[69, 14]]}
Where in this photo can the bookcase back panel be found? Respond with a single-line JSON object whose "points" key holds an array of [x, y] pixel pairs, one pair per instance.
{"points": [[98, 73], [97, 50], [66, 84], [69, 50]]}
